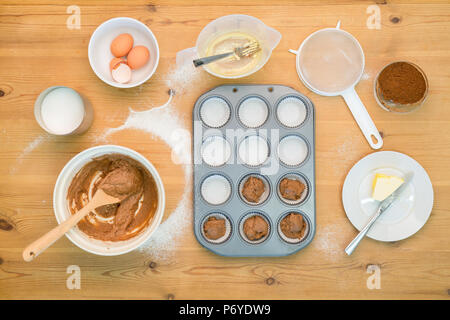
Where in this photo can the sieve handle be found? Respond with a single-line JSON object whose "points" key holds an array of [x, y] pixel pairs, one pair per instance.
{"points": [[363, 118]]}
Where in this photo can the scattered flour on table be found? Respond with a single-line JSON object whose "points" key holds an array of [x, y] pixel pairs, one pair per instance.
{"points": [[347, 152], [366, 76], [349, 146], [29, 148], [329, 241], [165, 122], [183, 77]]}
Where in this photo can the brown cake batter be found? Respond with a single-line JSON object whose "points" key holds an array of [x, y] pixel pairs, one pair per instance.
{"points": [[122, 181], [214, 228], [255, 228], [293, 226], [291, 189], [121, 177], [253, 189]]}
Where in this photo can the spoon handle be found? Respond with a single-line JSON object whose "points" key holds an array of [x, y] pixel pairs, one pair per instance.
{"points": [[38, 246], [206, 60], [355, 242]]}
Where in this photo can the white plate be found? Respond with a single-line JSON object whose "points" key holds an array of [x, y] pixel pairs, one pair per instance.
{"points": [[406, 215]]}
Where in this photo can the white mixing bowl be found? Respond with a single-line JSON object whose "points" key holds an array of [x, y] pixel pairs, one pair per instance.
{"points": [[100, 54], [62, 212]]}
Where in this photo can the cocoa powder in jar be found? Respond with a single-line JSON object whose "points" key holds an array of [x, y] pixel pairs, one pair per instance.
{"points": [[401, 83]]}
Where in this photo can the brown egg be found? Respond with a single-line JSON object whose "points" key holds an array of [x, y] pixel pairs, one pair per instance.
{"points": [[121, 45], [138, 57]]}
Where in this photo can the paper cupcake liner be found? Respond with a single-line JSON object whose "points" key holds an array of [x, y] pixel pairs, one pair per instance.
{"points": [[241, 227], [228, 228], [209, 122], [209, 139], [293, 240], [295, 100], [264, 196], [242, 162], [246, 122], [305, 193], [203, 188], [290, 165]]}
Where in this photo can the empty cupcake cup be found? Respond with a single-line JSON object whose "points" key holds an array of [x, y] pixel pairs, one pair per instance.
{"points": [[291, 112], [215, 189], [215, 151], [253, 150], [215, 112], [292, 150], [253, 112]]}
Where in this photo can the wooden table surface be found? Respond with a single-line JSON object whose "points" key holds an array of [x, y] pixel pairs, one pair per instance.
{"points": [[37, 50]]}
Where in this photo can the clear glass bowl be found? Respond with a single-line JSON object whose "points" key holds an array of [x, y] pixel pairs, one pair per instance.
{"points": [[397, 107]]}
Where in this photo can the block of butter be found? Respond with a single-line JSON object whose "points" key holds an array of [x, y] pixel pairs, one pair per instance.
{"points": [[383, 186]]}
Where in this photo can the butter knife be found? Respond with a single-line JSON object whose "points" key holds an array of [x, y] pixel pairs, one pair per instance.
{"points": [[384, 205]]}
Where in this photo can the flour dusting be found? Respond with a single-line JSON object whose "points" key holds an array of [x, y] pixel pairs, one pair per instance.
{"points": [[165, 123], [329, 241], [183, 77], [29, 148], [366, 76], [347, 152]]}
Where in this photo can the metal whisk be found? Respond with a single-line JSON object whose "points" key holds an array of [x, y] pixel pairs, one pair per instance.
{"points": [[244, 51]]}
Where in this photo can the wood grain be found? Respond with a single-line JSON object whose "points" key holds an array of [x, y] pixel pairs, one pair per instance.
{"points": [[38, 51]]}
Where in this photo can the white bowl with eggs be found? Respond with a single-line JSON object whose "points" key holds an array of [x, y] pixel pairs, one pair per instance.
{"points": [[100, 54], [62, 211]]}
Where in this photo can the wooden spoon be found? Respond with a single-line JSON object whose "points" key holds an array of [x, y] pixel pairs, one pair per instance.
{"points": [[99, 199]]}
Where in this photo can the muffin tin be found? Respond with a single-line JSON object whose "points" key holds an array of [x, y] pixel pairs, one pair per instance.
{"points": [[247, 156]]}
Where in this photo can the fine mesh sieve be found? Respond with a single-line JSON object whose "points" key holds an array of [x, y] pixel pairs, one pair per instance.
{"points": [[330, 62]]}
